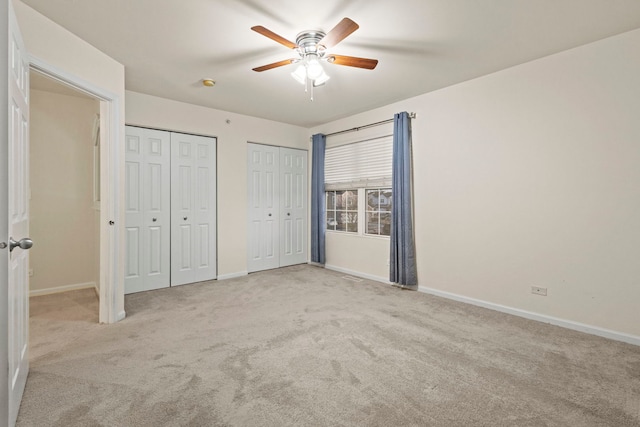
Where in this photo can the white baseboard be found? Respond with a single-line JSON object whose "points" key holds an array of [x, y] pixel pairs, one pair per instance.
{"points": [[356, 273], [232, 275], [569, 324], [58, 289]]}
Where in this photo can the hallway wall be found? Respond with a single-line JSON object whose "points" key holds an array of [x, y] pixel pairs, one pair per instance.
{"points": [[63, 224]]}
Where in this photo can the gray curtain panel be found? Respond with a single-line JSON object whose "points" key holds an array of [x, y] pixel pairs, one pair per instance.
{"points": [[318, 212], [402, 259]]}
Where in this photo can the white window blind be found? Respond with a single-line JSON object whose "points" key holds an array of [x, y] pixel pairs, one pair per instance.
{"points": [[359, 164]]}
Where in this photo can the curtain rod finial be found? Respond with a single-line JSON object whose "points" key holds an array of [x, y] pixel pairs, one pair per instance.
{"points": [[413, 115]]}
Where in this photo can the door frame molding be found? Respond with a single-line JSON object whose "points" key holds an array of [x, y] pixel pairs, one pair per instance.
{"points": [[110, 240]]}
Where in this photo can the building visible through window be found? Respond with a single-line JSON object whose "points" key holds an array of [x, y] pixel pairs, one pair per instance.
{"points": [[342, 210], [378, 212]]}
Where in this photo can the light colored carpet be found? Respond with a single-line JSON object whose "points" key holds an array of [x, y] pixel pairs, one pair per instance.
{"points": [[303, 346]]}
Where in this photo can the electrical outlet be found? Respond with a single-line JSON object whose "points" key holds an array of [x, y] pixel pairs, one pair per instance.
{"points": [[539, 291], [30, 272]]}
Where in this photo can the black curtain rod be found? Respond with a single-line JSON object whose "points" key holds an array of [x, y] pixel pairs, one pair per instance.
{"points": [[411, 115]]}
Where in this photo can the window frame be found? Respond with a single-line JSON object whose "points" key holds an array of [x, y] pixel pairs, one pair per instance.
{"points": [[361, 212], [335, 211], [378, 211]]}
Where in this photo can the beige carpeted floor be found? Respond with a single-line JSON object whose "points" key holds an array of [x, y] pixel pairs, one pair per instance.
{"points": [[303, 346]]}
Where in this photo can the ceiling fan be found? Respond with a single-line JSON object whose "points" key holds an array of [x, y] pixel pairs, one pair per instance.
{"points": [[312, 46]]}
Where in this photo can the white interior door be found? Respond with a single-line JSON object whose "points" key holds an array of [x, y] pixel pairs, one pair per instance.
{"points": [[147, 209], [293, 206], [264, 207], [193, 209], [15, 274]]}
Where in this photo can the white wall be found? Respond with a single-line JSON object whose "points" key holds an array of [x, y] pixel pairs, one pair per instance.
{"points": [[232, 138], [529, 177], [62, 214], [59, 48]]}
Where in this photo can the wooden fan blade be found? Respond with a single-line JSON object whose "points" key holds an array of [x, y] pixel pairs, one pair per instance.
{"points": [[274, 65], [352, 61], [273, 36], [339, 33]]}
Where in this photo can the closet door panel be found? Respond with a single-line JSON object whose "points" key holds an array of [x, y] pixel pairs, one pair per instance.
{"points": [[286, 205], [193, 206], [156, 201], [181, 211], [205, 209], [263, 216], [134, 278], [293, 206], [133, 271], [147, 211], [155, 252]]}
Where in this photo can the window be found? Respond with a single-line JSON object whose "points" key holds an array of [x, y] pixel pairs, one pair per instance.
{"points": [[342, 210], [378, 212], [345, 207], [357, 181]]}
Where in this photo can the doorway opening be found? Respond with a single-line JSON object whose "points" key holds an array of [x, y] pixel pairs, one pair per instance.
{"points": [[105, 188], [64, 200]]}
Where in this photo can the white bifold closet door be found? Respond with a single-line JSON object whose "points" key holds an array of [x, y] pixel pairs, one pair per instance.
{"points": [[277, 207], [293, 206], [147, 209], [193, 209], [264, 213], [170, 209]]}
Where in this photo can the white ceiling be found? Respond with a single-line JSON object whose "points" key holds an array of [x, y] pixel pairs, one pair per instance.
{"points": [[167, 46]]}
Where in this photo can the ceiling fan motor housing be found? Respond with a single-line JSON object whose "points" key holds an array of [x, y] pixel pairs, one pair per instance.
{"points": [[307, 42]]}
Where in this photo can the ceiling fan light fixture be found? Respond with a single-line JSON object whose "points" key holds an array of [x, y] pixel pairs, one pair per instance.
{"points": [[322, 79], [314, 69], [300, 74]]}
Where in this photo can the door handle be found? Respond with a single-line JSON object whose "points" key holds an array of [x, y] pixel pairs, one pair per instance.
{"points": [[25, 243]]}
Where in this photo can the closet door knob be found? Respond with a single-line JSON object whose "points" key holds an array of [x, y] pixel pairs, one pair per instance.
{"points": [[154, 219], [269, 214], [288, 213], [185, 218]]}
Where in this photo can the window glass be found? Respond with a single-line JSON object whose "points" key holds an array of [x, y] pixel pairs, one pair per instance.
{"points": [[378, 212], [343, 213], [331, 200], [342, 210]]}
